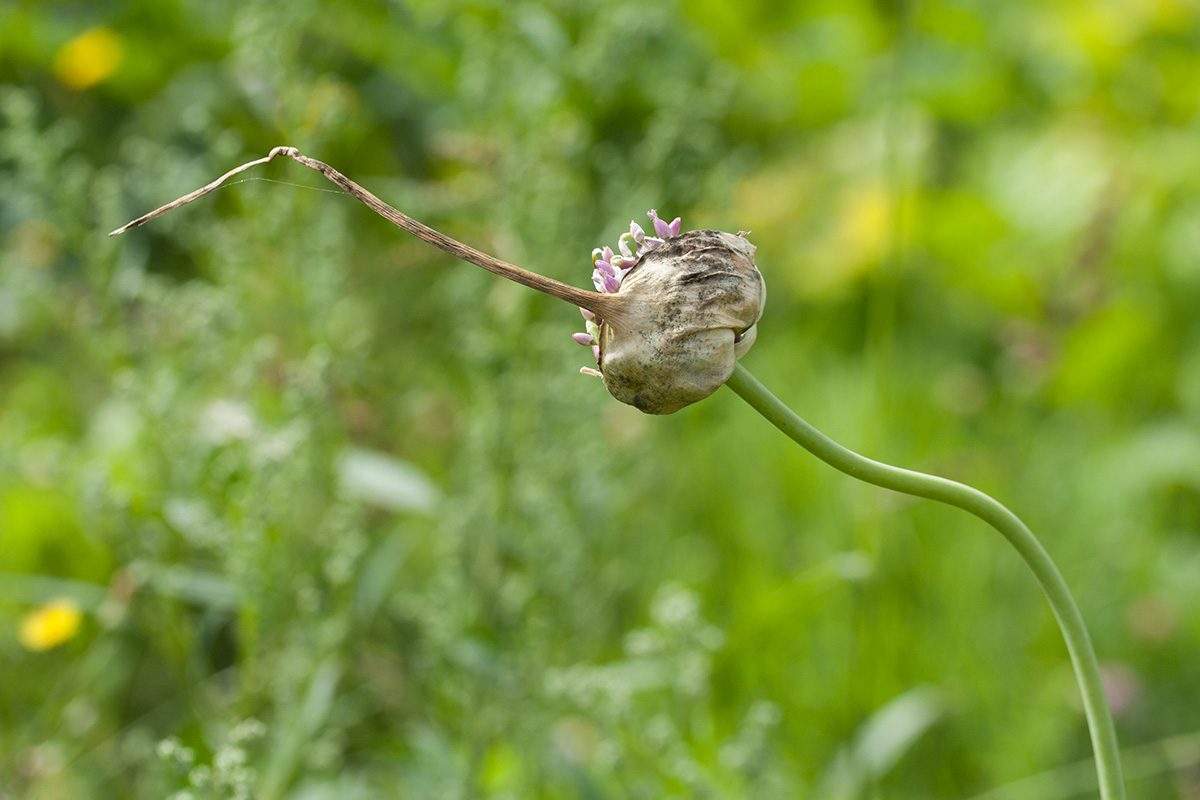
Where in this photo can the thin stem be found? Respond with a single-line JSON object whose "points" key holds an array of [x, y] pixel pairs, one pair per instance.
{"points": [[1074, 631], [603, 305]]}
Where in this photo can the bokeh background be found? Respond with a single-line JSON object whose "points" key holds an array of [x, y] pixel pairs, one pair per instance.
{"points": [[294, 505]]}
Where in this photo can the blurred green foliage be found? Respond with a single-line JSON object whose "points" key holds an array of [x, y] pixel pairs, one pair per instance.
{"points": [[344, 521]]}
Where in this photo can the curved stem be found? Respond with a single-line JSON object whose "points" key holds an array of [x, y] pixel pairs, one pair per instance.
{"points": [[1074, 631]]}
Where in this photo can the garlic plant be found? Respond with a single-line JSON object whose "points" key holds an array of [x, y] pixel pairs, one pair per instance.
{"points": [[671, 316]]}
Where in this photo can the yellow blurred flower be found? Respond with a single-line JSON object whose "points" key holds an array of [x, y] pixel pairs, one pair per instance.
{"points": [[856, 241], [51, 625], [88, 58], [864, 224]]}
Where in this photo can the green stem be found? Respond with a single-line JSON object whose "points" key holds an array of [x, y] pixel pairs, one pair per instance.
{"points": [[1074, 631]]}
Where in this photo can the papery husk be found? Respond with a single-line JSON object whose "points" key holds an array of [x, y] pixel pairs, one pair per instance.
{"points": [[681, 309]]}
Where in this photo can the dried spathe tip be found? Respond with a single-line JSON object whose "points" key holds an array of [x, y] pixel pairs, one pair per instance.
{"points": [[689, 308], [596, 303]]}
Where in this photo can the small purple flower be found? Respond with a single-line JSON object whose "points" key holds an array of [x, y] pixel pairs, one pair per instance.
{"points": [[663, 229], [623, 244]]}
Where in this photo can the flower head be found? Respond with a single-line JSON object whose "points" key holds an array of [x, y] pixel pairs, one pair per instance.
{"points": [[688, 311]]}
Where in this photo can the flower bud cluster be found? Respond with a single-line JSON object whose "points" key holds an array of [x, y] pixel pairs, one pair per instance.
{"points": [[611, 268]]}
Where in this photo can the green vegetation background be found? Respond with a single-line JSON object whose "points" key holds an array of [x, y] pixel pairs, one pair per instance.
{"points": [[345, 522]]}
